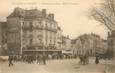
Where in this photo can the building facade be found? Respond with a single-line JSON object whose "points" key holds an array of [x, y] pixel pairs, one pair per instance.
{"points": [[32, 30], [59, 38], [66, 43], [3, 38], [90, 43], [111, 43]]}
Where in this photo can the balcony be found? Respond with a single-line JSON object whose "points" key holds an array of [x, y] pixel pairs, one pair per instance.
{"points": [[59, 42], [31, 28], [35, 46], [39, 28], [27, 28], [50, 29]]}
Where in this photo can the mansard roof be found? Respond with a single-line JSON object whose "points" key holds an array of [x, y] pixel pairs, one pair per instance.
{"points": [[59, 28], [19, 12], [31, 14], [3, 24]]}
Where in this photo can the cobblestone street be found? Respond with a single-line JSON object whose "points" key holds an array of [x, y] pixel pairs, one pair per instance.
{"points": [[54, 66]]}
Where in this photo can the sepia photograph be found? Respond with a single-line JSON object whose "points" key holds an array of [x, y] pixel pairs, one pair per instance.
{"points": [[57, 36]]}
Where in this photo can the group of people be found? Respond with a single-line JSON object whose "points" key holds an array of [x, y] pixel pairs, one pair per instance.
{"points": [[84, 59], [40, 59], [10, 59]]}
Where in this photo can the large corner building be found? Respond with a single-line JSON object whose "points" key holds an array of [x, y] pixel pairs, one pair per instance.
{"points": [[32, 30]]}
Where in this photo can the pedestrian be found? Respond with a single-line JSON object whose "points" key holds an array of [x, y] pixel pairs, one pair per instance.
{"points": [[44, 59], [86, 56], [10, 59], [39, 59], [81, 59], [97, 60]]}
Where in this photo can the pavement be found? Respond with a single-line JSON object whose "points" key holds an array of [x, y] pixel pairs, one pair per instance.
{"points": [[57, 66]]}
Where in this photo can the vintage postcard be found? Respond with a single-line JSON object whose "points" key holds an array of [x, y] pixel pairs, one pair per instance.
{"points": [[57, 36]]}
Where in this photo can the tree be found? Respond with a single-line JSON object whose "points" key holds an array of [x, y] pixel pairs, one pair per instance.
{"points": [[105, 14]]}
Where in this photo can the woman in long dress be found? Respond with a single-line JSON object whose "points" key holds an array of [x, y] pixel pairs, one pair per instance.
{"points": [[97, 60]]}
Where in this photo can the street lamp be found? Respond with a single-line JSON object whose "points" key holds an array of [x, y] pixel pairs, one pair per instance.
{"points": [[21, 34]]}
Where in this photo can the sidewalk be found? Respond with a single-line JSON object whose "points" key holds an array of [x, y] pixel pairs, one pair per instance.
{"points": [[110, 67]]}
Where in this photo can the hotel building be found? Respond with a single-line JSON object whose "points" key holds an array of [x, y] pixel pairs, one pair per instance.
{"points": [[32, 30]]}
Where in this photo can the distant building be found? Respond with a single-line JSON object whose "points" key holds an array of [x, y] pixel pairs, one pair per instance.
{"points": [[111, 43], [77, 46], [66, 43], [59, 38], [103, 46], [90, 43], [3, 38]]}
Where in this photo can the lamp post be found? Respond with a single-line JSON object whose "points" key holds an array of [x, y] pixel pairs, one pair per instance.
{"points": [[21, 33]]}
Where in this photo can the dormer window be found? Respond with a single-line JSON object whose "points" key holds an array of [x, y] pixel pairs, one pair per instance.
{"points": [[46, 25]]}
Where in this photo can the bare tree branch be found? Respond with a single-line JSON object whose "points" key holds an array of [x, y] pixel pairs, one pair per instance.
{"points": [[105, 14]]}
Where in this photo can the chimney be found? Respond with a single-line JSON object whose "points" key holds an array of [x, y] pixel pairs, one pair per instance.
{"points": [[51, 16], [108, 34], [67, 36], [44, 12], [113, 33]]}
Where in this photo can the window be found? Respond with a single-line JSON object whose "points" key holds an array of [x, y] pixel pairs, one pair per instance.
{"points": [[31, 40], [30, 24], [23, 23], [46, 41], [77, 52], [51, 26], [50, 40], [46, 25]]}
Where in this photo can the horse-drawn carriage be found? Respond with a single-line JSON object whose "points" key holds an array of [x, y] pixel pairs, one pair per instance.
{"points": [[84, 58]]}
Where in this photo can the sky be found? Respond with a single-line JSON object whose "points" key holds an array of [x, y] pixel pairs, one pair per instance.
{"points": [[72, 15]]}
